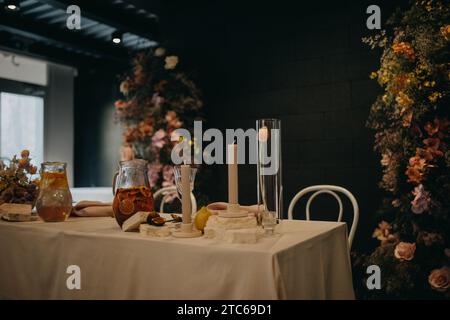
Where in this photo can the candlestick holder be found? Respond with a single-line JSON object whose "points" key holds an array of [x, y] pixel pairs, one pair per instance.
{"points": [[233, 208], [187, 231], [184, 180]]}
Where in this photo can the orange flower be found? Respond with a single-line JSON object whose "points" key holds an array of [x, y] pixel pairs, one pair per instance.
{"points": [[416, 169], [132, 134], [172, 120], [445, 31], [25, 154], [32, 170], [23, 163], [404, 48], [145, 128], [414, 175], [121, 104]]}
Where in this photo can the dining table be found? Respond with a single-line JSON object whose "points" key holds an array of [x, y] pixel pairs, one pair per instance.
{"points": [[302, 260]]}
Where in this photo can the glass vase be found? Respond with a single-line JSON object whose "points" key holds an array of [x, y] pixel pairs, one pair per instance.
{"points": [[269, 173]]}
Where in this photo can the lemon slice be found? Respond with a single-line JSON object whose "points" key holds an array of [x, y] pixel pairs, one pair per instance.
{"points": [[201, 218], [126, 207]]}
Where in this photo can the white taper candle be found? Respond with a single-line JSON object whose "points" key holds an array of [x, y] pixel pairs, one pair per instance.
{"points": [[232, 174], [186, 193]]}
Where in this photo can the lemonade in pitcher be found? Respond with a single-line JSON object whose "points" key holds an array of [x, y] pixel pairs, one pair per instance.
{"points": [[54, 202]]}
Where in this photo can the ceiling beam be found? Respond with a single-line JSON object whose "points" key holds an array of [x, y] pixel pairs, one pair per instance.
{"points": [[121, 19], [39, 31], [25, 46]]}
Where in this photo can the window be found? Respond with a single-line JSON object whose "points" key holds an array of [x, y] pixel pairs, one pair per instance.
{"points": [[21, 126]]}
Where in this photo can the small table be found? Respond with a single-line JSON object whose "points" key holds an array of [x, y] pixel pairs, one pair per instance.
{"points": [[307, 260]]}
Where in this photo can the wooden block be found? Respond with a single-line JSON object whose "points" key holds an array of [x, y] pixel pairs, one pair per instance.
{"points": [[15, 208], [133, 222]]}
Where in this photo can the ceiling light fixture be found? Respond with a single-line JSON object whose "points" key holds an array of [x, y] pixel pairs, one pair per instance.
{"points": [[12, 5], [116, 37]]}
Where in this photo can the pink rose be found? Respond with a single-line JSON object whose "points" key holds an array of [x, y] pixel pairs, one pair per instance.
{"points": [[158, 139], [175, 137], [404, 251], [439, 279], [168, 176], [157, 100], [153, 173], [421, 202]]}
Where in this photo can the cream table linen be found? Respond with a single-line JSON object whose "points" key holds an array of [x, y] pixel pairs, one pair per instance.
{"points": [[308, 260]]}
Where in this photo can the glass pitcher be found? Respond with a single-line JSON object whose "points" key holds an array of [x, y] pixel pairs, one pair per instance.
{"points": [[131, 190], [54, 202]]}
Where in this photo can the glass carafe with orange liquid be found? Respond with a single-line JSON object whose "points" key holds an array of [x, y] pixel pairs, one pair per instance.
{"points": [[54, 202], [131, 190]]}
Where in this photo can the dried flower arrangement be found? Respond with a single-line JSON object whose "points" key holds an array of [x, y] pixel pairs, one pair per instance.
{"points": [[16, 180]]}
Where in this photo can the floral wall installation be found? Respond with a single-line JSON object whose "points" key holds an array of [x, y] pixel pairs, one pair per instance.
{"points": [[158, 98], [411, 120]]}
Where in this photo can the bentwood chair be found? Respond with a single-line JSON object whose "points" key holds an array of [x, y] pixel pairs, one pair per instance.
{"points": [[332, 190], [165, 193]]}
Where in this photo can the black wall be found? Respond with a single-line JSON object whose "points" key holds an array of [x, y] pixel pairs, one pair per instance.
{"points": [[302, 62]]}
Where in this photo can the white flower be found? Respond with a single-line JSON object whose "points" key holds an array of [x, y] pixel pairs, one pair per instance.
{"points": [[171, 62], [159, 52]]}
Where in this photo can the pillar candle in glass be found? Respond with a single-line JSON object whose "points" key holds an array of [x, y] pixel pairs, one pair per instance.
{"points": [[269, 171]]}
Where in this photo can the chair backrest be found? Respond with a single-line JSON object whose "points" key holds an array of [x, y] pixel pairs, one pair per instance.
{"points": [[170, 191], [328, 189]]}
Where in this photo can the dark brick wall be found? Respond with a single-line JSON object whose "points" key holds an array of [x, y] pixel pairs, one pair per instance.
{"points": [[302, 62]]}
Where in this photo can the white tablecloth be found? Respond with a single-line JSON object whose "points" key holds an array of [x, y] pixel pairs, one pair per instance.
{"points": [[308, 260]]}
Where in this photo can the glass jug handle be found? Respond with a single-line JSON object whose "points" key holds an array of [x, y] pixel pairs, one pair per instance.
{"points": [[114, 183]]}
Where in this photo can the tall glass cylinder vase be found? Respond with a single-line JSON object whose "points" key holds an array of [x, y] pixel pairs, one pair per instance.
{"points": [[269, 173]]}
